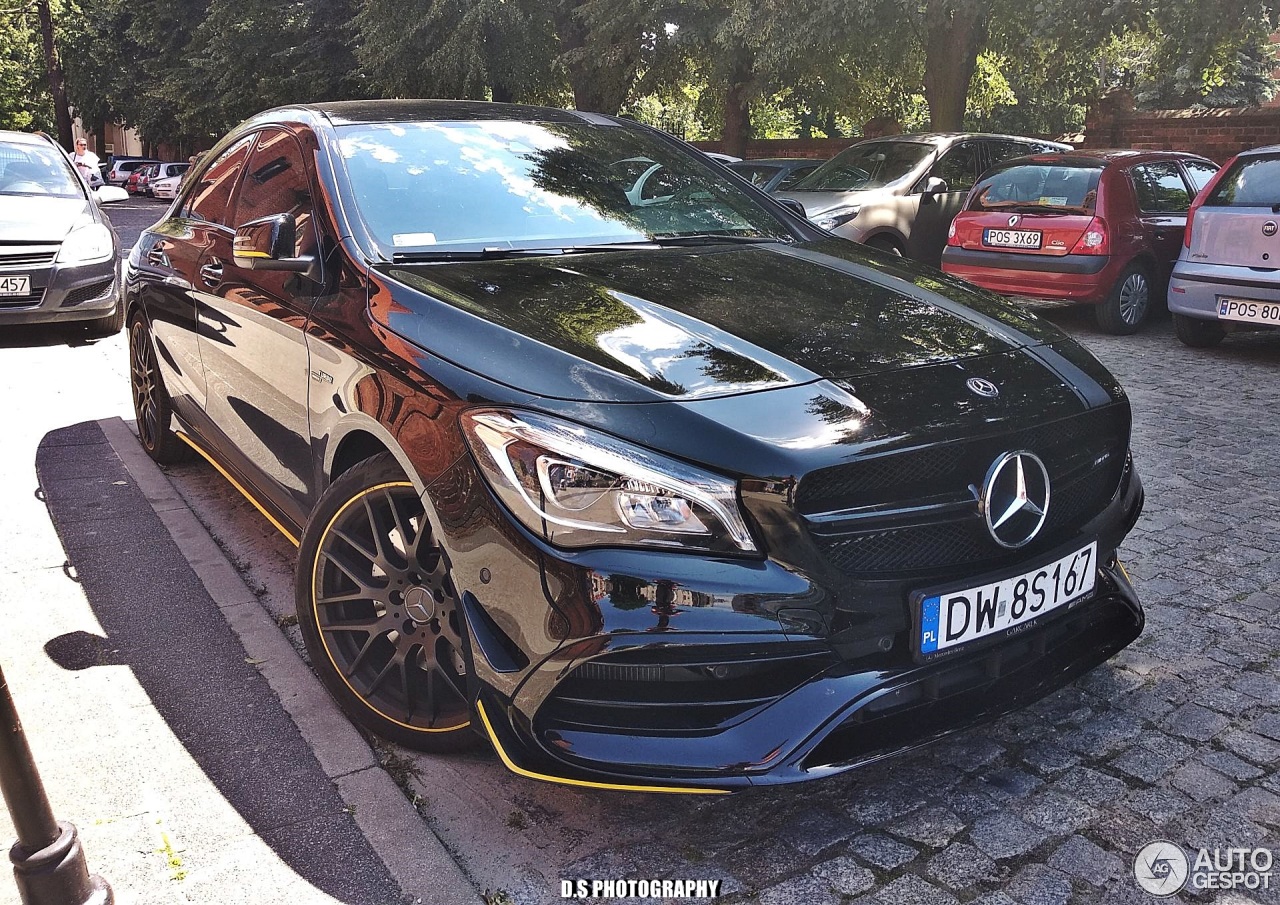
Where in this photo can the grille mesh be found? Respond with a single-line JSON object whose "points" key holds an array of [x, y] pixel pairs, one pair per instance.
{"points": [[85, 293]]}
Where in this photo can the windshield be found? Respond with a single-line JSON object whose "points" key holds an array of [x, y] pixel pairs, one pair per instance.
{"points": [[869, 165], [430, 188], [37, 170], [1038, 188]]}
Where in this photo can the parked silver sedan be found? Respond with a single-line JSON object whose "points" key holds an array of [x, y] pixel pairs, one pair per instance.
{"points": [[1228, 275], [900, 194]]}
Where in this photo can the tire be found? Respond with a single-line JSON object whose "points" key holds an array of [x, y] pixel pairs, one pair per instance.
{"points": [[1127, 305], [108, 325], [152, 406], [1197, 333], [885, 244], [379, 612]]}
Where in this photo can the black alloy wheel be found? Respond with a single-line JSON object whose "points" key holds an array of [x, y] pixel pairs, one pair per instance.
{"points": [[379, 612], [151, 404]]}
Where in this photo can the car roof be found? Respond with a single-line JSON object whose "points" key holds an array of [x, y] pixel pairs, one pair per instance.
{"points": [[945, 138], [1095, 156], [1265, 149], [25, 138], [775, 161]]}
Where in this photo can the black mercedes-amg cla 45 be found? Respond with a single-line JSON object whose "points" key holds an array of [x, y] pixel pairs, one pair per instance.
{"points": [[594, 451]]}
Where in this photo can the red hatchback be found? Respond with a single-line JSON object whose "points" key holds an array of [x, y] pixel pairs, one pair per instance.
{"points": [[1095, 227]]}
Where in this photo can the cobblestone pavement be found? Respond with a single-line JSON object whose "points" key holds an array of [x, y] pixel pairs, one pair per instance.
{"points": [[1177, 738]]}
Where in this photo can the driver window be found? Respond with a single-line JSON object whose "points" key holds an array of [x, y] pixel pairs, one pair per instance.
{"points": [[276, 182], [959, 167], [209, 199]]}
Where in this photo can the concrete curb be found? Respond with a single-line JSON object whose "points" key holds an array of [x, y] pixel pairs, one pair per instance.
{"points": [[414, 856]]}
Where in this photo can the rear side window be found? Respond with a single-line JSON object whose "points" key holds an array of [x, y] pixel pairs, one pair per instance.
{"points": [[795, 176], [1251, 182], [1161, 188], [756, 175], [1038, 187]]}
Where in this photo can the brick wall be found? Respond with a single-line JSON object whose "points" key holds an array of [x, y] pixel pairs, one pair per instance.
{"points": [[1214, 133]]}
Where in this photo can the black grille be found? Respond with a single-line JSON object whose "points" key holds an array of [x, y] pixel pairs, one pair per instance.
{"points": [[21, 301], [1084, 457], [27, 258], [85, 293], [677, 690]]}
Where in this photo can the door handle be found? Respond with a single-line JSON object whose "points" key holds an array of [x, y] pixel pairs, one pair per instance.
{"points": [[211, 273]]}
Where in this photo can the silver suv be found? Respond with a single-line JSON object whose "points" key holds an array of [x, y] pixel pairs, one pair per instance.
{"points": [[899, 194], [1228, 274]]}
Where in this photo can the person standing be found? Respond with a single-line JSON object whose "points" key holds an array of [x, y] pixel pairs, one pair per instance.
{"points": [[85, 160]]}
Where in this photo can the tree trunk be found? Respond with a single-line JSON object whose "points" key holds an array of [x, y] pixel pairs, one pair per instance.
{"points": [[100, 137], [601, 83], [737, 104], [955, 33], [57, 81]]}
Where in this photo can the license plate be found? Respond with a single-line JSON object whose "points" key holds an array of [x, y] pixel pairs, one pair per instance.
{"points": [[1012, 238], [953, 618], [1249, 311], [15, 285]]}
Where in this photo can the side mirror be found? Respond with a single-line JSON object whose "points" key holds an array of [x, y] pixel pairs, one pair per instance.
{"points": [[268, 243], [933, 187], [110, 194], [794, 206]]}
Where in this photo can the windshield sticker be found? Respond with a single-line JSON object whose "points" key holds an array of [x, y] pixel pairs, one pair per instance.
{"points": [[401, 239]]}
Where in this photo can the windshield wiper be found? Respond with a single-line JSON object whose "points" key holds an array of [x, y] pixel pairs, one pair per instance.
{"points": [[489, 254], [715, 239]]}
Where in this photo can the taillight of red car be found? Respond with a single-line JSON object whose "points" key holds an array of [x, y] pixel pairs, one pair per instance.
{"points": [[1198, 201], [1095, 240]]}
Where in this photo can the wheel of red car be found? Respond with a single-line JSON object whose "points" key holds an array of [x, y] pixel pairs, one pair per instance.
{"points": [[1128, 303], [1197, 333], [379, 611]]}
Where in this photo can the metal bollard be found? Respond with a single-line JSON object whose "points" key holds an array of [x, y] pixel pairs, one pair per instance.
{"points": [[48, 862]]}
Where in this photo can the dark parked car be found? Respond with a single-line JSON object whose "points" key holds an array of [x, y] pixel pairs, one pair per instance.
{"points": [[58, 253], [775, 174], [1096, 227], [682, 495], [1226, 277], [899, 194]]}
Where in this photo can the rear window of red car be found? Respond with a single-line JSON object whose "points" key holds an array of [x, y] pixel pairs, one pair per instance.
{"points": [[1251, 182], [1038, 188]]}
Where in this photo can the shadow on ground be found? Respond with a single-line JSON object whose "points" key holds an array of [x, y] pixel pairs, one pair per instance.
{"points": [[161, 623]]}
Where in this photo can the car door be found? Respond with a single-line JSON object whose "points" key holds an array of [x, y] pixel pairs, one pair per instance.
{"points": [[958, 167], [253, 338], [1163, 200]]}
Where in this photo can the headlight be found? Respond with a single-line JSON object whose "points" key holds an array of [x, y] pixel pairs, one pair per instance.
{"points": [[576, 487], [87, 244], [837, 216]]}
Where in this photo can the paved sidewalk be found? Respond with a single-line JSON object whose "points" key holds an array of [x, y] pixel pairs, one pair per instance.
{"points": [[159, 729]]}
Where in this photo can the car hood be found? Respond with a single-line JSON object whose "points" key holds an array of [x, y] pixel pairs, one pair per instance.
{"points": [[818, 203], [646, 325], [39, 218]]}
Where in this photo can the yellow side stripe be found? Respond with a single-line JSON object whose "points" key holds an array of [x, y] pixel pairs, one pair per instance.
{"points": [[1124, 571], [236, 484], [493, 736]]}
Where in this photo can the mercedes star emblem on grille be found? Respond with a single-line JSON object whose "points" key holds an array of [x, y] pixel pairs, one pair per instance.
{"points": [[983, 387], [1015, 498]]}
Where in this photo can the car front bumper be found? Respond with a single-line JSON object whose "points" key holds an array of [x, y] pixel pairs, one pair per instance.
{"points": [[62, 292], [614, 702]]}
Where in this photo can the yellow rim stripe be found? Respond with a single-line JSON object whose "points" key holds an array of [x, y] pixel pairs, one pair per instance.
{"points": [[493, 736], [1124, 570], [315, 606], [236, 484]]}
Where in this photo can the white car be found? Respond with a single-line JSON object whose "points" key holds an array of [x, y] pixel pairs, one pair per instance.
{"points": [[166, 188]]}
